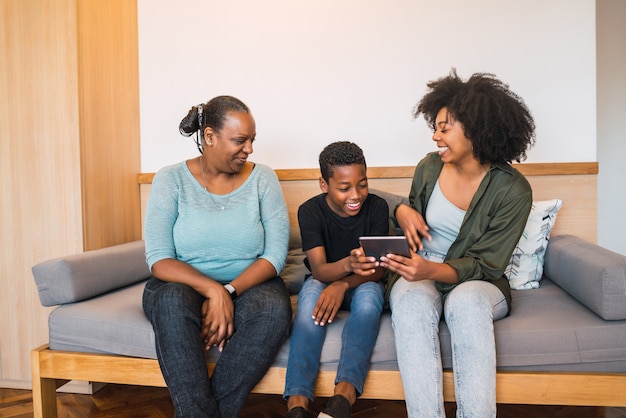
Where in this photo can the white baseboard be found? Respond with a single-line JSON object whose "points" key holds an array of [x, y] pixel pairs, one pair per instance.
{"points": [[82, 387], [73, 386], [16, 384]]}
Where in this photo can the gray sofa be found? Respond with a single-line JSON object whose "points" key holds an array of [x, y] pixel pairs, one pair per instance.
{"points": [[573, 326]]}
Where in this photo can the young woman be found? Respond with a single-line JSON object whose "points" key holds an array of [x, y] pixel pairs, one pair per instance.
{"points": [[468, 208]]}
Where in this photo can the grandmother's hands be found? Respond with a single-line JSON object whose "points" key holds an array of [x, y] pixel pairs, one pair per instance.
{"points": [[218, 314]]}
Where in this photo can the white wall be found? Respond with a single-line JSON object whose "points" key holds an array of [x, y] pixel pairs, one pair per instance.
{"points": [[611, 33], [317, 71]]}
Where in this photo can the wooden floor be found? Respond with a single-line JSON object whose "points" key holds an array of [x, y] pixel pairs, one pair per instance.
{"points": [[121, 401]]}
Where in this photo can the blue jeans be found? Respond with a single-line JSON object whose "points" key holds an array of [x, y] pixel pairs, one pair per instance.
{"points": [[262, 319], [360, 331], [469, 311]]}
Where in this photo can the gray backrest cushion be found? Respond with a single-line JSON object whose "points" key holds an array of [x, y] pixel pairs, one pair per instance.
{"points": [[295, 270], [593, 275], [81, 276], [393, 200]]}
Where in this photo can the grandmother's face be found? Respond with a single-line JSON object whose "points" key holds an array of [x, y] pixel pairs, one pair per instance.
{"points": [[230, 147]]}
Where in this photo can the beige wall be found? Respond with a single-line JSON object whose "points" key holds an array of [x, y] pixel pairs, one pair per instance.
{"points": [[69, 150]]}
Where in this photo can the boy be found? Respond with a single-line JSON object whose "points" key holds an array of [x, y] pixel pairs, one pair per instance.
{"points": [[341, 278]]}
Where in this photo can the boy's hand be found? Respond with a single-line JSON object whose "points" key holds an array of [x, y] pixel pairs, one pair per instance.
{"points": [[362, 264], [329, 302]]}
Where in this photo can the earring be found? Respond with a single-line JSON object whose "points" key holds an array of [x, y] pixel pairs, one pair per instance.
{"points": [[211, 143]]}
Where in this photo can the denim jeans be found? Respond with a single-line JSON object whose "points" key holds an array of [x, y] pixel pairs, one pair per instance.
{"points": [[360, 331], [262, 319], [469, 311]]}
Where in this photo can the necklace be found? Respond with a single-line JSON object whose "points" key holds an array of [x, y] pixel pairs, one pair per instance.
{"points": [[204, 183]]}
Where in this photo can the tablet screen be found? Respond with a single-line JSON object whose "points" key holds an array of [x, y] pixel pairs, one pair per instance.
{"points": [[377, 246]]}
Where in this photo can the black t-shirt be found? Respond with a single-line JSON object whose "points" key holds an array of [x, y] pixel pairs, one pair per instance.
{"points": [[320, 226]]}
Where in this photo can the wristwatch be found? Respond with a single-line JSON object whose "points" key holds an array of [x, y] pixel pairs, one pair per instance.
{"points": [[233, 293]]}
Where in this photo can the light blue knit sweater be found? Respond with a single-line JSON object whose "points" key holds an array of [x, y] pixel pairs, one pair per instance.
{"points": [[185, 222]]}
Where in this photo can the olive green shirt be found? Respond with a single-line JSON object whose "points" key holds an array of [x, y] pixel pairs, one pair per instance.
{"points": [[491, 228]]}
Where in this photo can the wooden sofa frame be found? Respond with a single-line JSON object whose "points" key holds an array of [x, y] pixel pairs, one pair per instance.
{"points": [[574, 183]]}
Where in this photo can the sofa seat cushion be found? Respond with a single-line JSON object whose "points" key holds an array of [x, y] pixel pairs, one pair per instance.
{"points": [[549, 327], [113, 323], [547, 330]]}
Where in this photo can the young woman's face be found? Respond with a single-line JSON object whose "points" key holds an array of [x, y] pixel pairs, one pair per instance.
{"points": [[346, 190], [230, 147], [454, 146]]}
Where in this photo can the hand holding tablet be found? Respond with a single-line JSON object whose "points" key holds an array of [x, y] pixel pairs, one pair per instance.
{"points": [[377, 246]]}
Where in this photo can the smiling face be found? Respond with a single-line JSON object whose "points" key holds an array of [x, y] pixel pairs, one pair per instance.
{"points": [[228, 149], [346, 189], [454, 146]]}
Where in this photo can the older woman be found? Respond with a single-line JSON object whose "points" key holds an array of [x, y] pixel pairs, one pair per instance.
{"points": [[216, 232]]}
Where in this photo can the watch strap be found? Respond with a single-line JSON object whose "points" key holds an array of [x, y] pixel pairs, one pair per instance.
{"points": [[231, 290]]}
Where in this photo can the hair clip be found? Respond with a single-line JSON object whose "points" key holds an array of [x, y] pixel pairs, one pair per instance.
{"points": [[199, 107], [198, 132]]}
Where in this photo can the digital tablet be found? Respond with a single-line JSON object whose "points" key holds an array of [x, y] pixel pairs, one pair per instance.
{"points": [[377, 246]]}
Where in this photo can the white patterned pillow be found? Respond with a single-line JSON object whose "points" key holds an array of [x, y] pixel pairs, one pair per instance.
{"points": [[526, 265]]}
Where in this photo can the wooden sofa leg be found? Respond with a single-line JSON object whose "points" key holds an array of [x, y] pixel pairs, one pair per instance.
{"points": [[44, 390]]}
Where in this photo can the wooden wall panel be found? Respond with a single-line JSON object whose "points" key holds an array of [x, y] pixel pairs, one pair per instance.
{"points": [[109, 121], [40, 206], [574, 183], [69, 150]]}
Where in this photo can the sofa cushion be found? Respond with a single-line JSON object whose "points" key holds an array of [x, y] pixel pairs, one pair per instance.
{"points": [[595, 276], [111, 323], [295, 270], [81, 276], [546, 330], [525, 268], [392, 199], [547, 327]]}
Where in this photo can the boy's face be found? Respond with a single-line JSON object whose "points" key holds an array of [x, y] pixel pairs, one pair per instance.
{"points": [[346, 190]]}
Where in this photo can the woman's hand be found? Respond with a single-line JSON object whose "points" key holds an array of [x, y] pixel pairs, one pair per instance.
{"points": [[329, 302], [412, 268], [416, 268], [413, 225], [218, 313], [362, 264]]}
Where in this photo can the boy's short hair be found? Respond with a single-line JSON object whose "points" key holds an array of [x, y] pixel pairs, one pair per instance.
{"points": [[337, 154]]}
